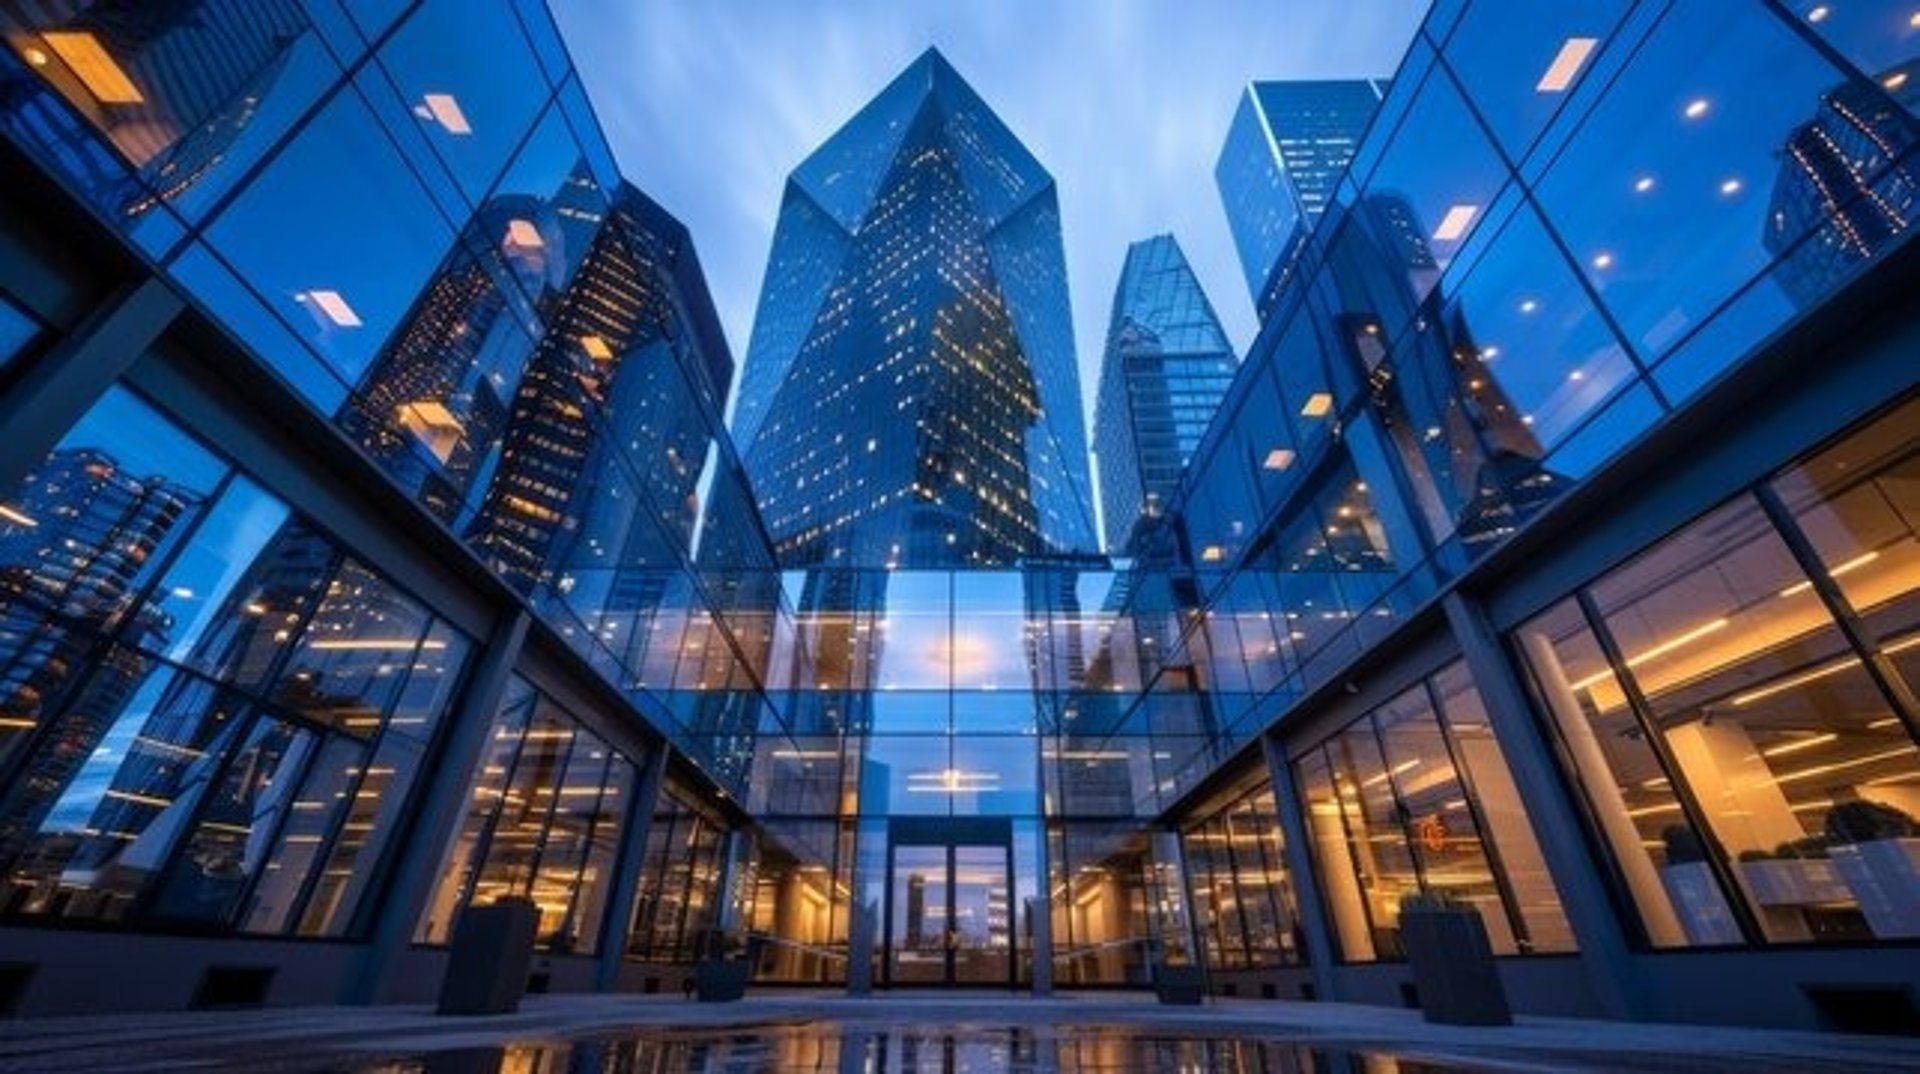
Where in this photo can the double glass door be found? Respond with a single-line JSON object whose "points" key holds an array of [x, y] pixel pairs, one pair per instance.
{"points": [[950, 917]]}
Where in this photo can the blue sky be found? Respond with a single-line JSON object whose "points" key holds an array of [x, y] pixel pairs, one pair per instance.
{"points": [[710, 103]]}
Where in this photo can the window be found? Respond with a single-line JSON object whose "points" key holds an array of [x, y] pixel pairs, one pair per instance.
{"points": [[1729, 737]]}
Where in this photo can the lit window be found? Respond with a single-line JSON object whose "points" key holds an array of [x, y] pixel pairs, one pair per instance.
{"points": [[1317, 405], [330, 307], [443, 109], [92, 65], [1566, 65], [1454, 224]]}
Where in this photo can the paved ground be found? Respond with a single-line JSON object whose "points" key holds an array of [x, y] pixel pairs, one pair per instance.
{"points": [[819, 1031]]}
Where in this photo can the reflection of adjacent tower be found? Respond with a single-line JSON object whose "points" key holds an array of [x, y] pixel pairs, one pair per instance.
{"points": [[172, 83], [1166, 368], [76, 544], [1840, 181], [911, 396], [436, 397], [1286, 150], [605, 441], [917, 938]]}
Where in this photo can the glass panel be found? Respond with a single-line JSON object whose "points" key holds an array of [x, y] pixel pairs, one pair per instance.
{"points": [[1660, 855], [310, 821], [919, 932], [982, 925], [484, 803], [1336, 856], [1519, 62], [1769, 717], [16, 331], [1881, 36]]}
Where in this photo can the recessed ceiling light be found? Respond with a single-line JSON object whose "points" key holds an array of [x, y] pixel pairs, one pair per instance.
{"points": [[1278, 459], [1488, 354], [444, 110], [1643, 184], [1602, 260], [1817, 14], [94, 66], [1317, 405], [1454, 224], [1528, 305], [1696, 108], [1731, 187], [331, 306], [1566, 64], [1895, 80]]}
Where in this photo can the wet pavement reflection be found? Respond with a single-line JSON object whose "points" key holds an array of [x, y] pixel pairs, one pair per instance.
{"points": [[910, 1049]]}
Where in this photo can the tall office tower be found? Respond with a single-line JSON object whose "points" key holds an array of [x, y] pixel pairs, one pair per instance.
{"points": [[1840, 181], [1167, 366], [910, 394], [1287, 149]]}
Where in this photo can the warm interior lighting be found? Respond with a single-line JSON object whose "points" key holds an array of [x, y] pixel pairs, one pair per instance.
{"points": [[951, 781], [445, 111], [91, 64], [522, 235], [1454, 224], [1801, 679], [596, 348], [349, 645], [1696, 108], [1278, 459], [1799, 744], [1731, 187], [1566, 64], [16, 517], [433, 425], [1213, 553], [331, 306], [1643, 184], [1818, 14], [1853, 564], [1823, 769], [1602, 260], [1317, 405], [1896, 80], [1659, 650], [1528, 305]]}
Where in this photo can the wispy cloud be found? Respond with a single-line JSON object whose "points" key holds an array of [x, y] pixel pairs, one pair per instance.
{"points": [[710, 103]]}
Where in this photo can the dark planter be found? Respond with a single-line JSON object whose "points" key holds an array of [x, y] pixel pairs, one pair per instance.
{"points": [[1180, 986], [1453, 968], [488, 960], [721, 980]]}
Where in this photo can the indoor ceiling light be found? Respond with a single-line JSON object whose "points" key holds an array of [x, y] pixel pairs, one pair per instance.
{"points": [[1696, 108], [443, 109], [93, 66], [596, 348], [1566, 64], [1317, 405], [1643, 184], [331, 306], [1278, 459], [1818, 14], [1454, 224]]}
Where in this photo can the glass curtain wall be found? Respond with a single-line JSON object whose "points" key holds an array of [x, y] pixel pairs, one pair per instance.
{"points": [[1416, 797], [211, 716], [1243, 900], [1737, 705]]}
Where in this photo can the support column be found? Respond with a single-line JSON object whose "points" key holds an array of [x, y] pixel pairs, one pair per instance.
{"points": [[1041, 952], [617, 922], [60, 386], [418, 847], [1536, 773], [1299, 855]]}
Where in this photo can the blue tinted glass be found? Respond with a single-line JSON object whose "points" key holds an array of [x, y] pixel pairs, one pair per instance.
{"points": [[16, 331], [1671, 194], [1882, 37], [469, 77], [1519, 62], [336, 253]]}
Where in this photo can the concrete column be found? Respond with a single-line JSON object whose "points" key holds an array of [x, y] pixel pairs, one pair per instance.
{"points": [[617, 922], [1299, 855], [59, 388], [418, 847], [1581, 882]]}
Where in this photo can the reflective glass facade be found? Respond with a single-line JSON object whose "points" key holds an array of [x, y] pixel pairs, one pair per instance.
{"points": [[1167, 364], [911, 395], [371, 546]]}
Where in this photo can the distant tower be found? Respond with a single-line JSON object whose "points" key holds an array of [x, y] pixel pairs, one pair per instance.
{"points": [[1166, 368], [1288, 147], [910, 396]]}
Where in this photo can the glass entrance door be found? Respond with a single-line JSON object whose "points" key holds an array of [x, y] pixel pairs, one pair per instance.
{"points": [[950, 919]]}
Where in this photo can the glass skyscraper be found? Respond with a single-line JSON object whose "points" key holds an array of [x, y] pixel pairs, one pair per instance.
{"points": [[372, 547], [1287, 149], [911, 396], [1166, 366]]}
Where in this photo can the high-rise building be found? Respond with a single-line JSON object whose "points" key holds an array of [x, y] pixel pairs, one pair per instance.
{"points": [[1285, 152], [910, 396], [1167, 365]]}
